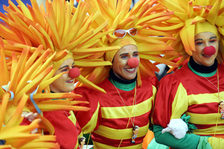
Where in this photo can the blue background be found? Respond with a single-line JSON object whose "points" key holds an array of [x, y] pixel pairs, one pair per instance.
{"points": [[5, 2]]}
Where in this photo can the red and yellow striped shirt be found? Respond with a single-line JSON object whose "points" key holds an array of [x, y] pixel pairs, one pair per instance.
{"points": [[108, 118], [185, 92]]}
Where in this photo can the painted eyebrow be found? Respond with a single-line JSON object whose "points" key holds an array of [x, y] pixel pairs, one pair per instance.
{"points": [[136, 52], [123, 54], [198, 39], [63, 67], [213, 37], [66, 66]]}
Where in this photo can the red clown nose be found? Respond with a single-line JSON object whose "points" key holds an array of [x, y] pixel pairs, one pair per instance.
{"points": [[209, 51], [74, 73], [133, 62]]}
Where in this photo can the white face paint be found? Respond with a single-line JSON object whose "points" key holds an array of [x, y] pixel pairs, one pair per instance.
{"points": [[64, 83], [202, 40], [120, 63]]}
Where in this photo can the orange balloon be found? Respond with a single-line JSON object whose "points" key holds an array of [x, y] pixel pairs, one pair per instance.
{"points": [[147, 139]]}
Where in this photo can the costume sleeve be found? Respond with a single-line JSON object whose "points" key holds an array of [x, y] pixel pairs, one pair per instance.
{"points": [[66, 131], [88, 120], [171, 101], [155, 82], [190, 141]]}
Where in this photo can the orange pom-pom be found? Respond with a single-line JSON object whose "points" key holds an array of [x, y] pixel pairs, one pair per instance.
{"points": [[133, 62], [209, 51], [74, 72]]}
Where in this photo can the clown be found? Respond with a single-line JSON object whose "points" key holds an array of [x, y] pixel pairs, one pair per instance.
{"points": [[18, 97], [197, 88], [55, 32], [120, 118], [65, 126]]}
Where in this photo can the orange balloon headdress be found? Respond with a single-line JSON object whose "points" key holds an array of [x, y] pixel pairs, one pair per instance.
{"points": [[35, 41], [137, 23], [192, 17], [61, 27]]}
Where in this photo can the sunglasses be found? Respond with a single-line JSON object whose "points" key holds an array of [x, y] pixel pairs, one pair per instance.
{"points": [[121, 33]]}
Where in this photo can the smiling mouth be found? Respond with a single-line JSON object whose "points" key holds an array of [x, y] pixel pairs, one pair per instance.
{"points": [[130, 70], [70, 81], [207, 56]]}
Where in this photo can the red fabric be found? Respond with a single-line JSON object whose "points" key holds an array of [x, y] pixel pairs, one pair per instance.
{"points": [[219, 136], [194, 85], [25, 122], [163, 102], [112, 99], [65, 131], [204, 108], [83, 117], [206, 126], [116, 123], [115, 143]]}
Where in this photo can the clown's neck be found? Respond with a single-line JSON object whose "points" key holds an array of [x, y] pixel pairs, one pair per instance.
{"points": [[122, 84], [205, 71]]}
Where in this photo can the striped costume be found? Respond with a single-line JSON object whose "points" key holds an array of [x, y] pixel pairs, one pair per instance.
{"points": [[193, 95], [108, 118]]}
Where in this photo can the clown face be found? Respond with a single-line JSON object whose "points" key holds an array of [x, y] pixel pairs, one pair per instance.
{"points": [[120, 62], [64, 83], [204, 41]]}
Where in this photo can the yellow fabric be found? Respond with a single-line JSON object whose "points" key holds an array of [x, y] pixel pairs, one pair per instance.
{"points": [[91, 125], [121, 112], [205, 118], [72, 117], [216, 143], [205, 27], [204, 98], [210, 130], [118, 134], [154, 90], [98, 145], [154, 94], [119, 42], [179, 107], [76, 146]]}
